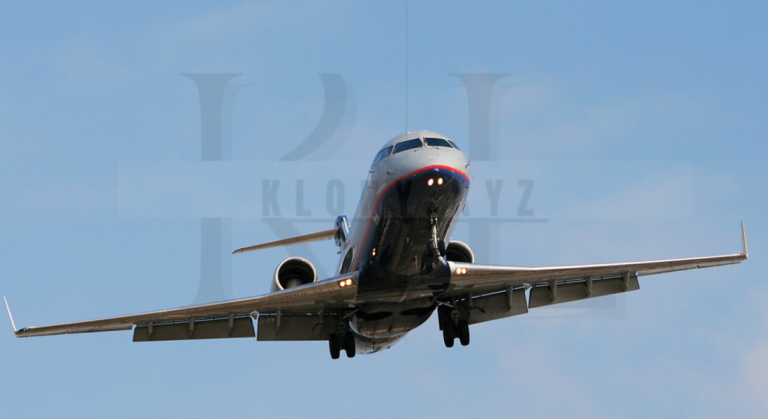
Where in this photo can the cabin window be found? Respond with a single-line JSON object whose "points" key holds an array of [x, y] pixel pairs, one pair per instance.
{"points": [[347, 262], [437, 142], [407, 145], [382, 155]]}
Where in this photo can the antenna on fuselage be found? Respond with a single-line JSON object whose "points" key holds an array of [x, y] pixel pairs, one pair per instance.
{"points": [[406, 67]]}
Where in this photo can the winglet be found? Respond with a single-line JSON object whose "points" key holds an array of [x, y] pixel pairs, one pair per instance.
{"points": [[9, 315], [744, 239]]}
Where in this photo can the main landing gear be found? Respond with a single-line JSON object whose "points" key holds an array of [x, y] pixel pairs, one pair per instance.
{"points": [[453, 326], [338, 342], [343, 339]]}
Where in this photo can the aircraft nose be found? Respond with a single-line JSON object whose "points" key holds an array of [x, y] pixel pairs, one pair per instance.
{"points": [[454, 160]]}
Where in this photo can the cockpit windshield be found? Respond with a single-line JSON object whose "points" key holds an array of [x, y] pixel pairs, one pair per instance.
{"points": [[437, 142], [382, 155], [407, 145]]}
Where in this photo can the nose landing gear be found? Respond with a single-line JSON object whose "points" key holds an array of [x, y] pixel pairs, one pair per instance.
{"points": [[436, 245]]}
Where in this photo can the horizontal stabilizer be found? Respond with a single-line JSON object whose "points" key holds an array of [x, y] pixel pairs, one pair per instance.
{"points": [[320, 235]]}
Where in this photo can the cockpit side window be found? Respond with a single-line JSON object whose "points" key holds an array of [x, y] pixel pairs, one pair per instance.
{"points": [[382, 155], [437, 142], [454, 145], [407, 145]]}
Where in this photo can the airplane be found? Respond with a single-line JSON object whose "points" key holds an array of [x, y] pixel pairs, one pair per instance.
{"points": [[398, 265]]}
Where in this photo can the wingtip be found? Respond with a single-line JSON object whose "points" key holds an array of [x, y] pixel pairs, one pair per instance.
{"points": [[10, 316], [744, 241]]}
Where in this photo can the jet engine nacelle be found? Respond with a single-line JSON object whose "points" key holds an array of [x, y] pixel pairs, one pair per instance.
{"points": [[459, 252], [293, 272]]}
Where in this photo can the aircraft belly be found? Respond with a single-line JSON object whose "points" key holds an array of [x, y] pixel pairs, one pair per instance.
{"points": [[366, 345], [390, 324]]}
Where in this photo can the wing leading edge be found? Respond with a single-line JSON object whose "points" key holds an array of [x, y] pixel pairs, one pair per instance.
{"points": [[305, 299]]}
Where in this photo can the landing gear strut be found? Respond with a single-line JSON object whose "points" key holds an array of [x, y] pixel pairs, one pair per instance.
{"points": [[436, 244], [453, 326]]}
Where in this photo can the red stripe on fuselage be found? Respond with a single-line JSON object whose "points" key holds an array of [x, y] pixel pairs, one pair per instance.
{"points": [[390, 186]]}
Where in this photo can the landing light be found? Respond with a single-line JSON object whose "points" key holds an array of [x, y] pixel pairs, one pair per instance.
{"points": [[345, 283], [461, 271], [430, 182], [440, 181]]}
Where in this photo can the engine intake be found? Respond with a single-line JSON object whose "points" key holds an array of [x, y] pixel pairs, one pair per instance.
{"points": [[459, 252], [293, 272]]}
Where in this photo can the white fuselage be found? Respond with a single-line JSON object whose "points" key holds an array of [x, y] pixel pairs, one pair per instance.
{"points": [[405, 195]]}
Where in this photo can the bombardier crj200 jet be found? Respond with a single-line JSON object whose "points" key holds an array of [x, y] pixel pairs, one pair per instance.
{"points": [[398, 265]]}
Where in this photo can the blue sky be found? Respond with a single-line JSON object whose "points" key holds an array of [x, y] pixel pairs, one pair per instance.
{"points": [[642, 123]]}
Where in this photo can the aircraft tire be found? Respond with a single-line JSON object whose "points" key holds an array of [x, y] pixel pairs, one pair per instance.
{"points": [[448, 334], [463, 332], [349, 344], [334, 343]]}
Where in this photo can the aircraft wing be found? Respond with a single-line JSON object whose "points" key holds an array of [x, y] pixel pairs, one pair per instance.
{"points": [[478, 280], [311, 298], [490, 278]]}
